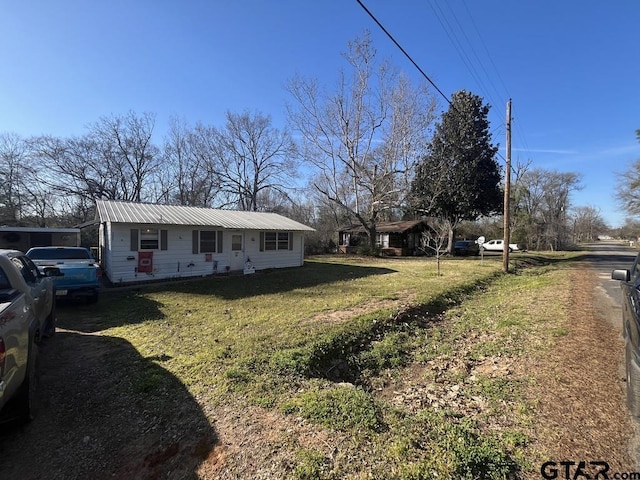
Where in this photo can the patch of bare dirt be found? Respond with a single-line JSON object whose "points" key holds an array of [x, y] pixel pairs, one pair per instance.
{"points": [[339, 316], [579, 387], [88, 427], [260, 444]]}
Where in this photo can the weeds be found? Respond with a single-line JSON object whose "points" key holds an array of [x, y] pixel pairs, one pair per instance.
{"points": [[273, 340]]}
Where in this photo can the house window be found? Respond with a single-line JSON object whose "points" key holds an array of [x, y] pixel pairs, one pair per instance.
{"points": [[270, 240], [383, 240], [208, 241], [149, 239], [277, 241], [283, 240], [236, 242]]}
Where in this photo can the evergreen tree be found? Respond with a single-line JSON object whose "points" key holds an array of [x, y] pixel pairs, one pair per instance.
{"points": [[459, 179]]}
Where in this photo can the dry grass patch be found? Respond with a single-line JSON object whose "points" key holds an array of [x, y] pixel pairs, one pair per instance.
{"points": [[361, 368]]}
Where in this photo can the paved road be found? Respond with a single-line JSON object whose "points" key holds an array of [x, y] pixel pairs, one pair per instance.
{"points": [[603, 258], [606, 256]]}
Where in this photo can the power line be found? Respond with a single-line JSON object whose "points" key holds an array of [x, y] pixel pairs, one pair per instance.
{"points": [[486, 50], [463, 54], [403, 51], [519, 131], [457, 45]]}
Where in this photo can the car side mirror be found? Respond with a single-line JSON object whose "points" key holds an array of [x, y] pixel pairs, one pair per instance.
{"points": [[622, 275]]}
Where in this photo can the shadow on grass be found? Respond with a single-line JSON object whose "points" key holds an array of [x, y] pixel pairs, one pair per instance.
{"points": [[106, 412], [132, 307], [265, 282]]}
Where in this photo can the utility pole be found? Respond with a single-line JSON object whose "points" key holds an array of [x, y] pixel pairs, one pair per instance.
{"points": [[507, 195]]}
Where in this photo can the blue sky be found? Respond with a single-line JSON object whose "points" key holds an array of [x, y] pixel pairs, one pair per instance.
{"points": [[572, 68]]}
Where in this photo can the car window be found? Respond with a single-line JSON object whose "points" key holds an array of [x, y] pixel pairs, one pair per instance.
{"points": [[31, 266], [635, 272], [59, 254], [27, 273], [4, 281]]}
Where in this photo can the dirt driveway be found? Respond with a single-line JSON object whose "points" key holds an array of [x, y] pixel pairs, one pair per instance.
{"points": [[88, 426]]}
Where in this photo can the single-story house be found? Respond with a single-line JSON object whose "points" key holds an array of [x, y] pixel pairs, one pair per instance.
{"points": [[23, 238], [143, 241], [393, 238]]}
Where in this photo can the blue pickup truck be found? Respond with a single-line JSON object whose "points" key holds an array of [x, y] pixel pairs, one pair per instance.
{"points": [[81, 274]]}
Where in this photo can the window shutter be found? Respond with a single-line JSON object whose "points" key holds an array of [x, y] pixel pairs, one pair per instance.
{"points": [[134, 240], [262, 241], [290, 240], [219, 247], [164, 234], [195, 238]]}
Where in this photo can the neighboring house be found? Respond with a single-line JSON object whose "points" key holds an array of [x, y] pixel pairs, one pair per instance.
{"points": [[23, 238], [142, 241], [393, 238]]}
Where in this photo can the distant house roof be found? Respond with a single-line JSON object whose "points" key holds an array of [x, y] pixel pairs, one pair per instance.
{"points": [[154, 214], [4, 228], [388, 227]]}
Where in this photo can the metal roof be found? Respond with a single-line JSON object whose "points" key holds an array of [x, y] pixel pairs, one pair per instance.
{"points": [[388, 227], [155, 214], [39, 229]]}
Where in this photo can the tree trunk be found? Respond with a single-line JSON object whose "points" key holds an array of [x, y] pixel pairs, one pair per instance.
{"points": [[450, 243], [372, 238]]}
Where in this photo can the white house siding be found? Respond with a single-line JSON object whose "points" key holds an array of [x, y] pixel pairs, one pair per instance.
{"points": [[178, 260], [104, 244], [275, 258]]}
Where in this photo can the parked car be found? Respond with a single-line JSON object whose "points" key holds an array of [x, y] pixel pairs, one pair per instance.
{"points": [[498, 246], [81, 274], [466, 247], [27, 314], [630, 283]]}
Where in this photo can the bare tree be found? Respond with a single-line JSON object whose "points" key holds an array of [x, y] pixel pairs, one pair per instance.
{"points": [[542, 203], [12, 170], [628, 191], [435, 239], [363, 140], [126, 142], [75, 166], [189, 175], [25, 197], [114, 160], [587, 224], [252, 157]]}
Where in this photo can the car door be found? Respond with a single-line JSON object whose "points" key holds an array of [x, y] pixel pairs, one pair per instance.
{"points": [[38, 286], [631, 304]]}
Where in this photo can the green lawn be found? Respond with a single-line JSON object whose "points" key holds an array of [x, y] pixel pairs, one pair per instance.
{"points": [[333, 342]]}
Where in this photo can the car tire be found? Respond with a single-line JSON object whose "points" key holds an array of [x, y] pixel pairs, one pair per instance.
{"points": [[26, 399], [633, 381], [50, 322], [510, 249]]}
